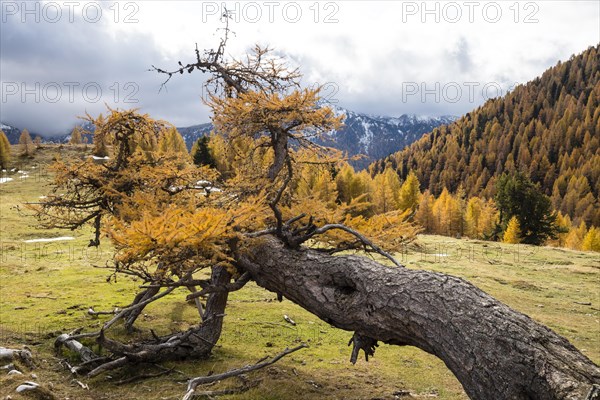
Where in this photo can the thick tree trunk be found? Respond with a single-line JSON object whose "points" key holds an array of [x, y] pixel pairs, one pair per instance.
{"points": [[197, 342], [494, 351]]}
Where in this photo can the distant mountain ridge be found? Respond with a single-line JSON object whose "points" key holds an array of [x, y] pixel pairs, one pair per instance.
{"points": [[378, 136], [11, 133], [548, 129], [372, 135]]}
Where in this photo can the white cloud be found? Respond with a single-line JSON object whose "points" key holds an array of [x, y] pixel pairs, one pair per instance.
{"points": [[371, 53]]}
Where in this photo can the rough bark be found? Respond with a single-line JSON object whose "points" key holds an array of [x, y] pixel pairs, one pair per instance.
{"points": [[85, 353], [494, 351], [133, 315], [195, 343]]}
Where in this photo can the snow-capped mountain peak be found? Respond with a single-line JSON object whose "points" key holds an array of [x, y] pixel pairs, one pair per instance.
{"points": [[374, 136]]}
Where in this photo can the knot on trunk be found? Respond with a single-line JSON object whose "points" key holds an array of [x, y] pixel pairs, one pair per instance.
{"points": [[363, 343]]}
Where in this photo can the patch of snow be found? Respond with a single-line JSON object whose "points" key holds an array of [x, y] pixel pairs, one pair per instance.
{"points": [[330, 133], [450, 117], [174, 189], [24, 176], [366, 140], [56, 239], [423, 118], [2, 126], [100, 158], [4, 180], [208, 189], [440, 255], [207, 186], [43, 197]]}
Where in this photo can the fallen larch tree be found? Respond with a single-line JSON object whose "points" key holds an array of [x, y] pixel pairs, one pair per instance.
{"points": [[494, 351], [168, 230]]}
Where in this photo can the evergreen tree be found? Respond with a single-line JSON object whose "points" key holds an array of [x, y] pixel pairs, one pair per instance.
{"points": [[547, 129], [591, 241], [447, 214], [4, 151], [563, 227], [575, 237], [385, 191], [489, 220], [100, 147], [171, 141], [201, 153], [410, 193], [350, 185], [26, 143], [424, 215], [473, 216], [512, 234], [76, 136], [461, 204], [317, 183], [518, 196], [100, 140]]}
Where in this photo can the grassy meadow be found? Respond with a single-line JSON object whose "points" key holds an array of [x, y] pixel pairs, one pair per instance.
{"points": [[47, 287]]}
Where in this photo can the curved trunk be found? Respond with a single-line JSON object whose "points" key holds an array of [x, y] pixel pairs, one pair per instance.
{"points": [[196, 342], [494, 351], [133, 315]]}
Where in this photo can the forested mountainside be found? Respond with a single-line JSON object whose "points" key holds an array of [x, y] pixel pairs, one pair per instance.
{"points": [[548, 129]]}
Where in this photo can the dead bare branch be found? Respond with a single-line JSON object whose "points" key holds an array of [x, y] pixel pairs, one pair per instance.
{"points": [[230, 287], [359, 236], [202, 380]]}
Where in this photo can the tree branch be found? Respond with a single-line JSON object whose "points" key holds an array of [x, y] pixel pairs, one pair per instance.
{"points": [[351, 231], [193, 383], [231, 287]]}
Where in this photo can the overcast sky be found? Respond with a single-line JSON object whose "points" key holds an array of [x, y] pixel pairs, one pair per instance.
{"points": [[60, 59]]}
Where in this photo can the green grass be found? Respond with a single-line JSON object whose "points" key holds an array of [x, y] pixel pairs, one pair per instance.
{"points": [[46, 288]]}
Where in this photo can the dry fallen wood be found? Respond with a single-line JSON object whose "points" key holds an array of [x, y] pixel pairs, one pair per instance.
{"points": [[95, 313], [66, 340], [144, 376], [24, 356], [119, 362], [202, 380], [216, 393]]}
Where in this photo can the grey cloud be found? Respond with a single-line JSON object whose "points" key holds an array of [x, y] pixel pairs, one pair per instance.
{"points": [[69, 56], [462, 55], [88, 53]]}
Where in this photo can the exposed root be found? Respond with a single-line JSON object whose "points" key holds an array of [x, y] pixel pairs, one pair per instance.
{"points": [[119, 362], [23, 355]]}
